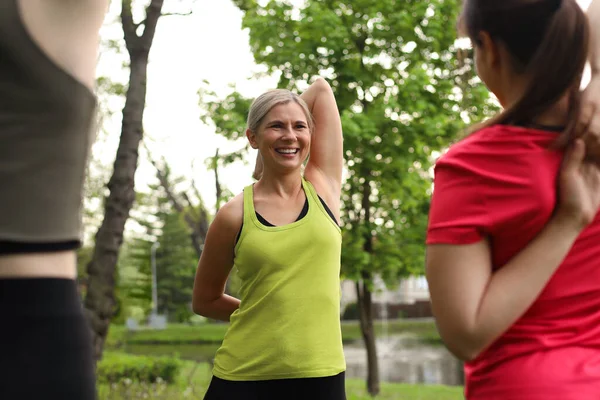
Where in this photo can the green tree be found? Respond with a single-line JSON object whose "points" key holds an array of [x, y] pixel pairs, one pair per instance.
{"points": [[138, 34], [194, 212], [402, 92], [100, 300], [175, 260], [134, 279]]}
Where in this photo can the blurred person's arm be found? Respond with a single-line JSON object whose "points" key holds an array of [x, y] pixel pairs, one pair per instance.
{"points": [[68, 31]]}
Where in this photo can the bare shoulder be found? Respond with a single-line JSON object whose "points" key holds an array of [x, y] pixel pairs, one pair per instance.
{"points": [[229, 217], [68, 31], [80, 12]]}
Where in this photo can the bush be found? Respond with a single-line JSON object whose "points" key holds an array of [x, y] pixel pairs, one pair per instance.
{"points": [[118, 367], [117, 335]]}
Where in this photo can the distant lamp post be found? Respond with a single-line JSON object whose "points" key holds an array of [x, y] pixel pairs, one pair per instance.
{"points": [[155, 245]]}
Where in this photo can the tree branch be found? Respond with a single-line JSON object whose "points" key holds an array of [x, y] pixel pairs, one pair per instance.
{"points": [[129, 27], [197, 222], [198, 226], [195, 189], [174, 14], [153, 13], [191, 208], [164, 181]]}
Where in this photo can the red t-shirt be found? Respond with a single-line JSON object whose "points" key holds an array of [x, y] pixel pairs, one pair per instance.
{"points": [[500, 183]]}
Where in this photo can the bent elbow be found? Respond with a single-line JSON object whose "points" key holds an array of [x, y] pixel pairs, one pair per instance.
{"points": [[460, 336], [322, 84], [199, 308], [464, 353], [463, 346], [461, 343]]}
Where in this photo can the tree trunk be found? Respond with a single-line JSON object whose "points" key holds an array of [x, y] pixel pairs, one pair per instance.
{"points": [[364, 297], [100, 300], [365, 306], [460, 372]]}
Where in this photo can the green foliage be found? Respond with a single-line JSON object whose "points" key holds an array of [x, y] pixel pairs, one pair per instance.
{"points": [[117, 336], [194, 379], [191, 383], [176, 260], [129, 390], [404, 90], [109, 87], [117, 367], [134, 280], [228, 115]]}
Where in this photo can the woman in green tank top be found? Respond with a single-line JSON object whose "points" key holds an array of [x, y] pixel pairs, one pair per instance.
{"points": [[282, 237]]}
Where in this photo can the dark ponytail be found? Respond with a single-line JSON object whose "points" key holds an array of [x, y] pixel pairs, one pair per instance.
{"points": [[548, 40]]}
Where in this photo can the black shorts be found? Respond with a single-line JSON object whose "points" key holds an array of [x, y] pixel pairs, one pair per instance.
{"points": [[328, 388], [45, 341]]}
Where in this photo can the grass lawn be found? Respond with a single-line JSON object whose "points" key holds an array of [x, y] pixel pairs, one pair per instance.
{"points": [[213, 333], [194, 379], [195, 340], [356, 390]]}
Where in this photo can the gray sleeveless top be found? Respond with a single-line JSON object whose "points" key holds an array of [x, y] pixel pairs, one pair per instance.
{"points": [[45, 136]]}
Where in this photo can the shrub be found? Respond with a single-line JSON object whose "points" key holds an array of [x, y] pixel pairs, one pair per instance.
{"points": [[118, 367]]}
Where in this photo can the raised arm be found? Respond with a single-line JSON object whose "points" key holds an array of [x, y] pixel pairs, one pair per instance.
{"points": [[324, 168], [209, 298], [68, 32]]}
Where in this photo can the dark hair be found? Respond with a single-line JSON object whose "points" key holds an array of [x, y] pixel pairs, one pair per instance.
{"points": [[548, 39]]}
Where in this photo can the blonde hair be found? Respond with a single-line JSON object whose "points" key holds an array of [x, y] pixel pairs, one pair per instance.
{"points": [[260, 108]]}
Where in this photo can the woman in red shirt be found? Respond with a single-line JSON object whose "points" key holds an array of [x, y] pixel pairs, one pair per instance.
{"points": [[513, 243]]}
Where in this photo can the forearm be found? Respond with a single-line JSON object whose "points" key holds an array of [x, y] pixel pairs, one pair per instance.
{"points": [[594, 18], [220, 309], [514, 287]]}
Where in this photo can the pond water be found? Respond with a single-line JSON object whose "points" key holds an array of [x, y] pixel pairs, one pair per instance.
{"points": [[402, 358]]}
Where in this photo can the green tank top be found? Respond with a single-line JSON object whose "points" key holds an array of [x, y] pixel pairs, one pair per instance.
{"points": [[288, 323]]}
